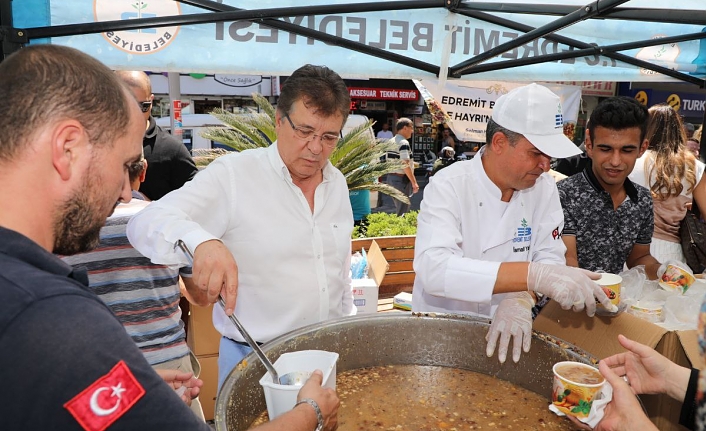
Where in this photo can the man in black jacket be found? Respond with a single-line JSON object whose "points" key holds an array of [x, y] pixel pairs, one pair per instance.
{"points": [[170, 163]]}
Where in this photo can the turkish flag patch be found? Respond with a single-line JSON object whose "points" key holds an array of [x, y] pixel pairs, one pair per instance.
{"points": [[107, 399]]}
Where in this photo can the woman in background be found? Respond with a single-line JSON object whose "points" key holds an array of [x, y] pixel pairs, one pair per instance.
{"points": [[673, 175]]}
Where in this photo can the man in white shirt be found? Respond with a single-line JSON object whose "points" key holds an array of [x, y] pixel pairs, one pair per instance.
{"points": [[385, 133], [271, 226], [488, 229]]}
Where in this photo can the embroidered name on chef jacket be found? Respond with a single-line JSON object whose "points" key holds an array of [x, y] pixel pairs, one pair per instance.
{"points": [[107, 399], [522, 234]]}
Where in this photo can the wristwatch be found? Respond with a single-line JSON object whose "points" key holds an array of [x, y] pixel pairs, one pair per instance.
{"points": [[319, 416]]}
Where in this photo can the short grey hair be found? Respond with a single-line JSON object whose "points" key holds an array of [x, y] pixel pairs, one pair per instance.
{"points": [[402, 123], [494, 128]]}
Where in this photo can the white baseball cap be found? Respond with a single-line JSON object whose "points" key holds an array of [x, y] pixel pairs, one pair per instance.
{"points": [[450, 152], [534, 111]]}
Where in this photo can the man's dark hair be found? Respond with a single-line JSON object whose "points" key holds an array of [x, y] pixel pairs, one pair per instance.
{"points": [[494, 128], [318, 87], [42, 84], [619, 113]]}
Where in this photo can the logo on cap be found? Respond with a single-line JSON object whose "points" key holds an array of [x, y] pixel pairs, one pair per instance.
{"points": [[558, 118]]}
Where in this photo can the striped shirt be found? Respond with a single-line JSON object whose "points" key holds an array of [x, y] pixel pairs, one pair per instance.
{"points": [[144, 296], [404, 151]]}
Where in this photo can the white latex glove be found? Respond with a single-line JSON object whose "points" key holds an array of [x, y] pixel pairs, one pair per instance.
{"points": [[663, 267], [513, 318], [570, 287]]}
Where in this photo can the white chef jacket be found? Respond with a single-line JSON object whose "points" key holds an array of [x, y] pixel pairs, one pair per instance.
{"points": [[465, 231], [293, 266]]}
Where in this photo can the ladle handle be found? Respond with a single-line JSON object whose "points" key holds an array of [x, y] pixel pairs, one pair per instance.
{"points": [[253, 345]]}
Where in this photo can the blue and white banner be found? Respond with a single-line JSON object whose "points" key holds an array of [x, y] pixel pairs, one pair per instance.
{"points": [[435, 36]]}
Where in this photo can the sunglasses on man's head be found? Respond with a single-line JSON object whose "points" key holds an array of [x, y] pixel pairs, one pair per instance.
{"points": [[145, 106]]}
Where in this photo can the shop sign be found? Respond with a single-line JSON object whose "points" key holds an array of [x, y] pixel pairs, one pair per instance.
{"points": [[413, 109], [370, 105], [176, 109], [238, 80], [594, 88], [686, 104], [383, 93]]}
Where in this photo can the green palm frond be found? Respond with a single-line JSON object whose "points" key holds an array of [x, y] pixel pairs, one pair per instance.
{"points": [[357, 154], [245, 131]]}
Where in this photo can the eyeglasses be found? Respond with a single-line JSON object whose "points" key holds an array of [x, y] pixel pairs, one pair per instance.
{"points": [[145, 106], [307, 134]]}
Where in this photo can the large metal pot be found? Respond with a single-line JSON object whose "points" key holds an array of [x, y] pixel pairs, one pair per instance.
{"points": [[392, 339]]}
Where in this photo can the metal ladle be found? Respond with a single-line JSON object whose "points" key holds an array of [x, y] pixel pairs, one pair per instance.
{"points": [[294, 378]]}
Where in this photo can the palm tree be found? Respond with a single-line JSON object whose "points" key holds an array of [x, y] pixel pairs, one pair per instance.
{"points": [[357, 154]]}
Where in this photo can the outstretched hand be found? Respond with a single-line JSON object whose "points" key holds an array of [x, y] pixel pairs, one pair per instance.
{"points": [[570, 287], [185, 384], [624, 412]]}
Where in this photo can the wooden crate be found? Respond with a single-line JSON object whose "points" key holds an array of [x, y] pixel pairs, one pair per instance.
{"points": [[399, 253]]}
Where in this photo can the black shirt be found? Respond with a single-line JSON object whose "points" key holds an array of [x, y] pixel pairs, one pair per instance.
{"points": [[57, 339], [604, 236], [573, 165], [169, 164]]}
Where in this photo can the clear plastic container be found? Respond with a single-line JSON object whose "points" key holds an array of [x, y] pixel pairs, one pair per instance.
{"points": [[650, 311]]}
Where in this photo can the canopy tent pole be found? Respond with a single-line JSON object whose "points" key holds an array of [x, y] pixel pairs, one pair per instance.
{"points": [[580, 14], [266, 16], [325, 37], [673, 16], [236, 15], [12, 38], [600, 50], [577, 44], [174, 82]]}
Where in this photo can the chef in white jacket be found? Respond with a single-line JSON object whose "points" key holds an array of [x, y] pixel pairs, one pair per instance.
{"points": [[488, 235]]}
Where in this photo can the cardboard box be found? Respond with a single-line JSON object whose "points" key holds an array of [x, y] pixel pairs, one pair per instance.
{"points": [[365, 290], [365, 295], [209, 375], [599, 336], [403, 301], [202, 338]]}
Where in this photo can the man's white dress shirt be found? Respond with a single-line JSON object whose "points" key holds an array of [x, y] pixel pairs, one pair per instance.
{"points": [[293, 265]]}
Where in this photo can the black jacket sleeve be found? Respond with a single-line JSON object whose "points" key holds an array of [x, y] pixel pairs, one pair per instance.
{"points": [[62, 345], [688, 408]]}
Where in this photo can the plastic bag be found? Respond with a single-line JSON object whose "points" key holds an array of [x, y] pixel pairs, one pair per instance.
{"points": [[631, 289], [359, 265]]}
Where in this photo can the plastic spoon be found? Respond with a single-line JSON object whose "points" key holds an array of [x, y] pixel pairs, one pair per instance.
{"points": [[295, 378]]}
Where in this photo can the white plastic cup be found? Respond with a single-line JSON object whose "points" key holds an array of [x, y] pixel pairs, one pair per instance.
{"points": [[281, 398]]}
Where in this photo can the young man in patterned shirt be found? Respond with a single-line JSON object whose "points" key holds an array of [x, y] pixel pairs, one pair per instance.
{"points": [[608, 220]]}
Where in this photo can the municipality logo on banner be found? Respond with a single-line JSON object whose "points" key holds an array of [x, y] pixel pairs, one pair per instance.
{"points": [[141, 41]]}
